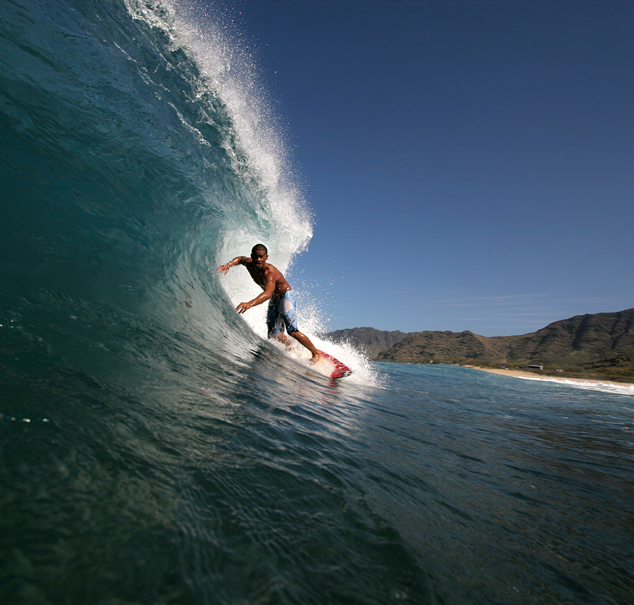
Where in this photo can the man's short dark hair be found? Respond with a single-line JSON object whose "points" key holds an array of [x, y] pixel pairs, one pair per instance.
{"points": [[259, 247]]}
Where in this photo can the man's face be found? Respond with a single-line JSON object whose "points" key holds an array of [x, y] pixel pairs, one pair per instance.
{"points": [[259, 258]]}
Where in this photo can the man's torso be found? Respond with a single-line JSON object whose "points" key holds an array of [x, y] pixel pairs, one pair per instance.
{"points": [[260, 277]]}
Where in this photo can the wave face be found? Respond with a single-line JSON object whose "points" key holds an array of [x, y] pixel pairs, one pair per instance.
{"points": [[135, 152]]}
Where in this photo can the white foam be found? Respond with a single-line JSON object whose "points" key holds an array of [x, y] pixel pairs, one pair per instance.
{"points": [[604, 387], [362, 371]]}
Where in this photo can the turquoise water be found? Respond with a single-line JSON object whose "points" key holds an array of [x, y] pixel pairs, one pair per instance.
{"points": [[155, 448]]}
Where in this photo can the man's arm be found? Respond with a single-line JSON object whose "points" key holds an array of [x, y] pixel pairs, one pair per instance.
{"points": [[269, 288], [238, 260]]}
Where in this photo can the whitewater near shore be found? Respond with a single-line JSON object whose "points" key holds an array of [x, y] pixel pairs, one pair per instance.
{"points": [[589, 383]]}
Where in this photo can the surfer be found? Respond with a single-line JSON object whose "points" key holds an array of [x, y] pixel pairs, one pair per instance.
{"points": [[281, 312]]}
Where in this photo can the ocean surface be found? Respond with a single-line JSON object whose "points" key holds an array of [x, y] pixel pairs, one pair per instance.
{"points": [[156, 449]]}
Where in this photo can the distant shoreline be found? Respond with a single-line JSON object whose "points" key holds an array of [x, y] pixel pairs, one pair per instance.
{"points": [[535, 375]]}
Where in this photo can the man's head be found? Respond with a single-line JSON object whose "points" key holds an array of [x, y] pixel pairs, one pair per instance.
{"points": [[259, 255], [259, 247]]}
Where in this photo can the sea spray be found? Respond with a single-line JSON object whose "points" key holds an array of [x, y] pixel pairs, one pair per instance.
{"points": [[256, 147]]}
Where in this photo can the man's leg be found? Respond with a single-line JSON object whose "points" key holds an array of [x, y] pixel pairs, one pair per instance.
{"points": [[304, 340], [289, 315]]}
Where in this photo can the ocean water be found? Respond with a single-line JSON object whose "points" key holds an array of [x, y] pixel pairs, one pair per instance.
{"points": [[156, 449]]}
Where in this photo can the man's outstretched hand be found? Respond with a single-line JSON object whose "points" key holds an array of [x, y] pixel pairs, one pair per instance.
{"points": [[242, 307]]}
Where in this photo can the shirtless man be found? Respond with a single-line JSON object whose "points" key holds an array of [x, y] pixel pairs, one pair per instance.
{"points": [[278, 292]]}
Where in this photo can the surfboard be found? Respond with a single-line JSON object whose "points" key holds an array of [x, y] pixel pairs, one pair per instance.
{"points": [[340, 370]]}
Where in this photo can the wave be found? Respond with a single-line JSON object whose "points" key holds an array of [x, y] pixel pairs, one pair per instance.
{"points": [[588, 385], [138, 152]]}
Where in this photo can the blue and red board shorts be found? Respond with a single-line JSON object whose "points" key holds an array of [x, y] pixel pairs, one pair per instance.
{"points": [[282, 313]]}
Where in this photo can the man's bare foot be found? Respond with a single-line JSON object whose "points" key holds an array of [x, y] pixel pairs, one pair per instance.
{"points": [[316, 358], [305, 341]]}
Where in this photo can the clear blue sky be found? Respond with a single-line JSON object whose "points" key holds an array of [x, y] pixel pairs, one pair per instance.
{"points": [[470, 163]]}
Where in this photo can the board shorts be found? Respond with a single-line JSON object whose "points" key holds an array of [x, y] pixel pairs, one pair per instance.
{"points": [[282, 313]]}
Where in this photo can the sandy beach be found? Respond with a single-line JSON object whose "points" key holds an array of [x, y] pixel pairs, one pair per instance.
{"points": [[536, 375]]}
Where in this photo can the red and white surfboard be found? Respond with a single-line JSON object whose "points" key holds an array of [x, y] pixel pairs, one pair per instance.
{"points": [[341, 370]]}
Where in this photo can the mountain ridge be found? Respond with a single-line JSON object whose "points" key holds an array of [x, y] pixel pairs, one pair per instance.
{"points": [[370, 340], [582, 342]]}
